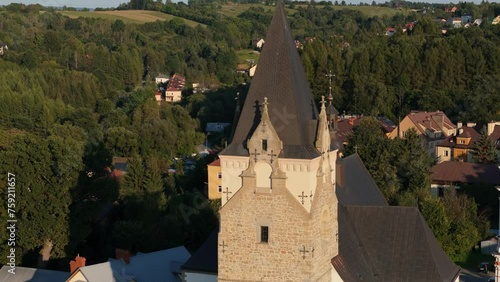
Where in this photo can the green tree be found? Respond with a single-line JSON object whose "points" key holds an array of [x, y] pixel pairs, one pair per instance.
{"points": [[484, 149]]}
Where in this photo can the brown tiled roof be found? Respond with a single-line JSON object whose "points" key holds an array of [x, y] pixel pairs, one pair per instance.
{"points": [[464, 172], [215, 163], [468, 132], [387, 243], [281, 78], [430, 121]]}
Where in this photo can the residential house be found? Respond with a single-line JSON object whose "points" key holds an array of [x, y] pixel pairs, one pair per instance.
{"points": [[454, 22], [160, 266], [216, 127], [409, 26], [466, 19], [158, 97], [23, 274], [496, 20], [450, 174], [346, 124], [478, 22], [119, 166], [161, 78], [3, 48], [450, 9], [390, 31], [258, 43], [434, 127], [458, 146], [173, 93], [214, 180], [293, 210], [251, 70]]}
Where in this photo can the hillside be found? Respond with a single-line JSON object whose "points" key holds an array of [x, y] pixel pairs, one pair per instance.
{"points": [[233, 10], [129, 16]]}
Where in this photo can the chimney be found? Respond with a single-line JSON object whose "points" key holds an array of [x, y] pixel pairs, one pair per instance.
{"points": [[77, 263], [351, 121], [471, 124], [491, 127], [459, 124], [123, 254]]}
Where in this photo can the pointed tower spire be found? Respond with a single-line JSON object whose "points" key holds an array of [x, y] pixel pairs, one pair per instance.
{"points": [[331, 112], [281, 78]]}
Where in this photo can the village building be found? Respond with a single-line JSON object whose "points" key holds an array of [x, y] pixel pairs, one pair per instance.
{"points": [[459, 146], [292, 210], [433, 127]]}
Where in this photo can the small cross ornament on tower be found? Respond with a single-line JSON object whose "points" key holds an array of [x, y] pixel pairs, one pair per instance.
{"points": [[227, 192], [223, 245], [272, 155], [304, 251], [302, 196], [255, 154]]}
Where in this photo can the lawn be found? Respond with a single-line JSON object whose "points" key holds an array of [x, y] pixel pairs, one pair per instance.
{"points": [[128, 16], [474, 259], [247, 54]]}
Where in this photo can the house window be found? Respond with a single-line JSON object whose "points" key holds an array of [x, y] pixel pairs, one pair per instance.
{"points": [[462, 141], [264, 234], [219, 175], [220, 189], [445, 153], [404, 133], [264, 144], [440, 191]]}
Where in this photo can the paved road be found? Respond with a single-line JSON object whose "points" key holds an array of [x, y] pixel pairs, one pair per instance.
{"points": [[470, 276]]}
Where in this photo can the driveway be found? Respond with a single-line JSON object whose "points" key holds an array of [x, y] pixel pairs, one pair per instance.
{"points": [[471, 276]]}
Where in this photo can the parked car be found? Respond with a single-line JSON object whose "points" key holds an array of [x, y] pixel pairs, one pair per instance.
{"points": [[485, 267]]}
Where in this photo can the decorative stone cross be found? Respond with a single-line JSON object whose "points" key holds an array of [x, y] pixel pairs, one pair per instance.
{"points": [[223, 245], [255, 154], [227, 192], [304, 251], [356, 149], [271, 155], [302, 196], [330, 75]]}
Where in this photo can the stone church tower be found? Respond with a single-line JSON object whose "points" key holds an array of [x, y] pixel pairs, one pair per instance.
{"points": [[279, 207]]}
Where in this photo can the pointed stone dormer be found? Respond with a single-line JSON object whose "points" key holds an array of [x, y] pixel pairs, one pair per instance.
{"points": [[264, 148]]}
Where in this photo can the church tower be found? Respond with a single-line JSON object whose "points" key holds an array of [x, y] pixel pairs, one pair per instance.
{"points": [[279, 207]]}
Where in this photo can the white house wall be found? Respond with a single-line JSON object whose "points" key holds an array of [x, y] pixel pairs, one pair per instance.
{"points": [[199, 277], [231, 168]]}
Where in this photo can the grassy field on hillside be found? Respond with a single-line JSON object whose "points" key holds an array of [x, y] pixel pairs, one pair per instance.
{"points": [[233, 10], [247, 54], [128, 16]]}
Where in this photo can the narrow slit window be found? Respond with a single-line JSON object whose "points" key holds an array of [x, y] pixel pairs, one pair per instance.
{"points": [[264, 144], [264, 234]]}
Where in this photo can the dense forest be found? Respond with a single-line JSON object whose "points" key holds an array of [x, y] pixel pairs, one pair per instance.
{"points": [[76, 92]]}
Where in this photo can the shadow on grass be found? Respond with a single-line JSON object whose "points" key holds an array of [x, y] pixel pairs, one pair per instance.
{"points": [[473, 259]]}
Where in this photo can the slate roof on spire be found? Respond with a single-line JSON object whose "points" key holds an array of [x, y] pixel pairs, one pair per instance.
{"points": [[280, 77]]}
